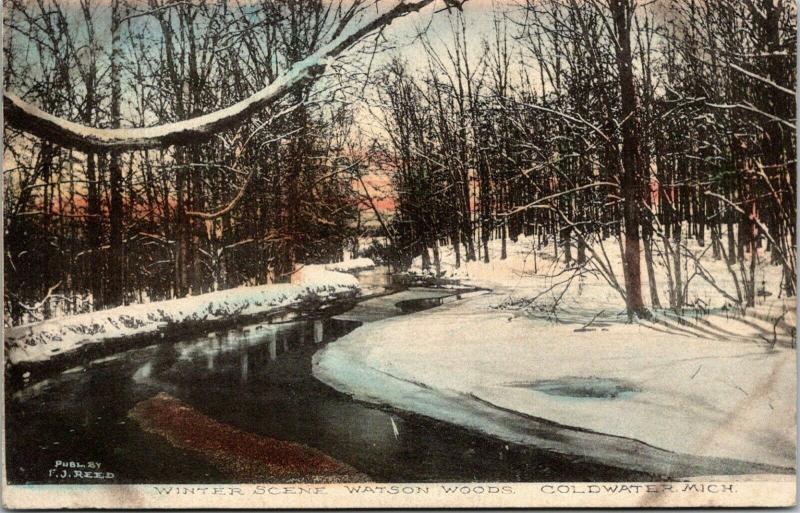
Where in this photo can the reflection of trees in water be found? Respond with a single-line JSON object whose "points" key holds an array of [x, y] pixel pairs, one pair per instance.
{"points": [[319, 331], [273, 346], [244, 366], [285, 341], [103, 394], [240, 356], [165, 359]]}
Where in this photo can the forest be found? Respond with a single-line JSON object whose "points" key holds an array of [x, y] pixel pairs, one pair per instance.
{"points": [[282, 129]]}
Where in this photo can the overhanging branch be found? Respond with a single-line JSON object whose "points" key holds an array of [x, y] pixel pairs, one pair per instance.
{"points": [[24, 116]]}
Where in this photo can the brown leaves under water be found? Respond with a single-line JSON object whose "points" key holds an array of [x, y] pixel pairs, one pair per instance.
{"points": [[247, 457]]}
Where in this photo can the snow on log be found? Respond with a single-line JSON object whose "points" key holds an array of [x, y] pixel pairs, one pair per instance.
{"points": [[25, 116]]}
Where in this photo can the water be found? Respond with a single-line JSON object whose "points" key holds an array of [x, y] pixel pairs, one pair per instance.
{"points": [[583, 387], [257, 378]]}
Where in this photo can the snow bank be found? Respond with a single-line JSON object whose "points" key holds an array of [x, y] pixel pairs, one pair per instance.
{"points": [[549, 344], [349, 266], [529, 271], [488, 370], [40, 341]]}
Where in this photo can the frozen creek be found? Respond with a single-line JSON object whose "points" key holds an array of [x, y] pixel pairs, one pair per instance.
{"points": [[258, 380]]}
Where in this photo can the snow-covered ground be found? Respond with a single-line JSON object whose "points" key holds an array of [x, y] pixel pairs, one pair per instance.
{"points": [[41, 341], [707, 282], [699, 387]]}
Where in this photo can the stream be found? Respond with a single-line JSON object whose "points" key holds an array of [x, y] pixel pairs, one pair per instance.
{"points": [[258, 379]]}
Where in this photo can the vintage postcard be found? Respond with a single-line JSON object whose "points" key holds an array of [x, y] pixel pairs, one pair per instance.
{"points": [[399, 253]]}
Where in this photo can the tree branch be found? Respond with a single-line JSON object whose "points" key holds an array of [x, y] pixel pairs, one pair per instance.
{"points": [[24, 116]]}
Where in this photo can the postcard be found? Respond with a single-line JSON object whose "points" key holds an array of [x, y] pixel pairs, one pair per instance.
{"points": [[399, 253]]}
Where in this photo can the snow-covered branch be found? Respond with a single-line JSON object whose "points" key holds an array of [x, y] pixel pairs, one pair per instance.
{"points": [[546, 199], [751, 108], [25, 116], [762, 79], [576, 119]]}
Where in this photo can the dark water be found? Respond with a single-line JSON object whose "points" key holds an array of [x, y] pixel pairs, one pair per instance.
{"points": [[257, 378]]}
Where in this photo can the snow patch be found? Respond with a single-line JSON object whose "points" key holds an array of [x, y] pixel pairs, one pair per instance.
{"points": [[681, 393], [349, 266]]}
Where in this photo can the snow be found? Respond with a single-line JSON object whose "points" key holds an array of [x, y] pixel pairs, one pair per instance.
{"points": [[353, 265], [530, 270], [385, 306], [710, 386], [41, 341]]}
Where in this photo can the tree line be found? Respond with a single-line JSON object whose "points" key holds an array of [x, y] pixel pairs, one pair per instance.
{"points": [[160, 148], [647, 125], [90, 227]]}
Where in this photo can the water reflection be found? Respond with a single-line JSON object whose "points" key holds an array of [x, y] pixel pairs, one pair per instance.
{"points": [[319, 331], [257, 378], [244, 360], [419, 304], [240, 356]]}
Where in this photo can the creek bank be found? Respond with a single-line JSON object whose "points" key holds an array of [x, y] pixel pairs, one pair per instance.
{"points": [[548, 359], [465, 364], [56, 344]]}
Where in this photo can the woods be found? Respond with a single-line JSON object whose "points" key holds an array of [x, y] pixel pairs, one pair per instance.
{"points": [[648, 126], [166, 148], [102, 227]]}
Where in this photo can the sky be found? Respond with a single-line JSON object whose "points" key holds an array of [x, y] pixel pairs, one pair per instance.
{"points": [[402, 39], [437, 23]]}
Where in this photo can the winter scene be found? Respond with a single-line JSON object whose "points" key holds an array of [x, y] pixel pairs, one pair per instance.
{"points": [[345, 246]]}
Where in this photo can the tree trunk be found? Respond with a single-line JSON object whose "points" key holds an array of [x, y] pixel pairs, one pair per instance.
{"points": [[631, 159], [116, 289], [456, 248], [182, 256], [94, 232], [647, 230], [677, 238]]}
